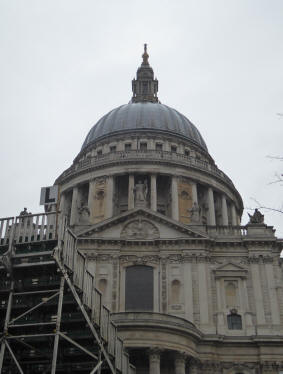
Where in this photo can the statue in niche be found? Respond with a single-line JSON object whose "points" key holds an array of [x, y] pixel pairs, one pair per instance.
{"points": [[141, 193], [195, 213], [257, 217], [84, 213]]}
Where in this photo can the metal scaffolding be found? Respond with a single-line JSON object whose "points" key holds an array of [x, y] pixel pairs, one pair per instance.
{"points": [[53, 320]]}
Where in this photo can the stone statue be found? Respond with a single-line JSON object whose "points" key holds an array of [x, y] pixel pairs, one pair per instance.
{"points": [[84, 213], [257, 217], [195, 213], [24, 212], [141, 192]]}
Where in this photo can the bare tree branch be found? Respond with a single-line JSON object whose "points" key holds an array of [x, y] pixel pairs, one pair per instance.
{"points": [[260, 206]]}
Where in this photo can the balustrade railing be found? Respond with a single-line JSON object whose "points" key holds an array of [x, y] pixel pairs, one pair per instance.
{"points": [[76, 264], [28, 228], [228, 231], [149, 155]]}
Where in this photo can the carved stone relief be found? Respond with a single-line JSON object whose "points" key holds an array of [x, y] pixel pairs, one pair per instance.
{"points": [[139, 229], [139, 260]]}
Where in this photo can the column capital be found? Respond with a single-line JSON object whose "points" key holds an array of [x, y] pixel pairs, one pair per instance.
{"points": [[181, 356], [154, 353], [154, 360]]}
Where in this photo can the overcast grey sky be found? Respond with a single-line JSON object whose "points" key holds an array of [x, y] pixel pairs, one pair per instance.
{"points": [[65, 63]]}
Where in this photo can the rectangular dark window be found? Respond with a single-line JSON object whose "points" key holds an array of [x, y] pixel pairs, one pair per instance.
{"points": [[234, 322], [173, 148], [113, 148], [158, 146], [99, 153], [187, 152], [128, 147], [143, 146], [139, 288]]}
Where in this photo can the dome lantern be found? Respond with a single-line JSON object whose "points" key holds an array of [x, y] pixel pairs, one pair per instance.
{"points": [[145, 87]]}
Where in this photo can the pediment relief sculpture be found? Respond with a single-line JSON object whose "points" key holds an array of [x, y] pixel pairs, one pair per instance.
{"points": [[140, 229]]}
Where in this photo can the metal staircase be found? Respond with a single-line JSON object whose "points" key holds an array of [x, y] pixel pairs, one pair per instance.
{"points": [[53, 317]]}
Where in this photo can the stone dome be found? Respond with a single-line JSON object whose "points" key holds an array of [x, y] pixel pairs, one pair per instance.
{"points": [[144, 117]]}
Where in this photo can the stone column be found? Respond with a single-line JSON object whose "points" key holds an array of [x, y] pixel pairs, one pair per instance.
{"points": [[153, 193], [224, 211], [90, 203], [194, 192], [233, 215], [211, 209], [154, 361], [131, 197], [74, 208], [180, 363], [109, 197], [174, 199]]}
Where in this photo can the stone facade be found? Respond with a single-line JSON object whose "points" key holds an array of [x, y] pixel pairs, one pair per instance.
{"points": [[157, 200]]}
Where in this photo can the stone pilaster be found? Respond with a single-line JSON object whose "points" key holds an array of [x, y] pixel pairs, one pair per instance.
{"points": [[211, 208], [224, 211], [258, 296], [203, 293], [131, 197], [174, 199], [272, 292], [153, 193], [188, 291], [62, 206], [154, 361]]}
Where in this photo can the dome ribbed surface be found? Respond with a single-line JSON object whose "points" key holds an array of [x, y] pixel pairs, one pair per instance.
{"points": [[142, 117]]}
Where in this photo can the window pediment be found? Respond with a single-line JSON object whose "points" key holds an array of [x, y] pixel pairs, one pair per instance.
{"points": [[230, 270]]}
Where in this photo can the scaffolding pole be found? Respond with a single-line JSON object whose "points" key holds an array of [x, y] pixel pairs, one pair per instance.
{"points": [[58, 323], [6, 324], [80, 304]]}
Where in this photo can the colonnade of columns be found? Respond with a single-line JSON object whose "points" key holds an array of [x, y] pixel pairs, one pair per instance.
{"points": [[76, 203]]}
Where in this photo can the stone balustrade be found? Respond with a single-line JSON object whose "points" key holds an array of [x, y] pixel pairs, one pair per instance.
{"points": [[28, 228], [117, 157]]}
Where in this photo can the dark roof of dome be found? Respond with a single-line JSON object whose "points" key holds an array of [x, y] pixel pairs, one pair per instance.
{"points": [[143, 117]]}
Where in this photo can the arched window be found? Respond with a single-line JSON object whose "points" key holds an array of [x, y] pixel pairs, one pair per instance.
{"points": [[234, 320], [175, 291], [139, 288]]}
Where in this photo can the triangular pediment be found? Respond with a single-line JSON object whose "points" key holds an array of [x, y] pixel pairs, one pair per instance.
{"points": [[230, 270], [140, 224], [230, 266]]}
